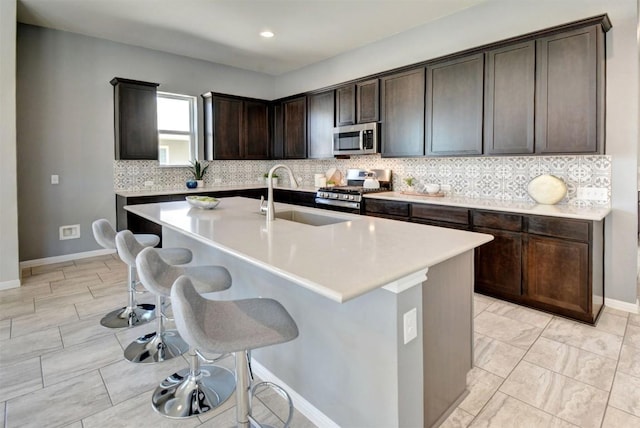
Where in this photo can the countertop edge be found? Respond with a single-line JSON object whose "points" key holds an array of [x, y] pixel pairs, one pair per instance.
{"points": [[563, 211]]}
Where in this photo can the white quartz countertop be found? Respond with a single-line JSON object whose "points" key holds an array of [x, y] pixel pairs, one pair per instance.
{"points": [[177, 191], [566, 211], [340, 261]]}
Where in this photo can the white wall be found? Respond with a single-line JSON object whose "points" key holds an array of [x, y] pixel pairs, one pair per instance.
{"points": [[9, 270], [500, 19], [65, 125]]}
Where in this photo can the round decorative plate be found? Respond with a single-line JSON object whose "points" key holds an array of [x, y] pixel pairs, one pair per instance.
{"points": [[547, 189]]}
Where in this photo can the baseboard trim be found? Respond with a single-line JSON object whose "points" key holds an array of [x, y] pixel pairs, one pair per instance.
{"points": [[64, 258], [303, 406], [622, 306], [6, 285]]}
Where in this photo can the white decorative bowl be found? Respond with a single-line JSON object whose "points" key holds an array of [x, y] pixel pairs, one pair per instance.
{"points": [[547, 189], [203, 202], [431, 188]]}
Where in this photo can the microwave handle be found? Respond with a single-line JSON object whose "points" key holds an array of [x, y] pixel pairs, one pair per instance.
{"points": [[361, 140]]}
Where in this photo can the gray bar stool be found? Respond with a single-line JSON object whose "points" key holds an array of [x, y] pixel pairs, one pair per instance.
{"points": [[133, 313], [136, 314], [220, 327], [158, 276]]}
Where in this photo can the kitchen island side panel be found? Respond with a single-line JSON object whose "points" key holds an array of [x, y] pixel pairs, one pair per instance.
{"points": [[349, 361]]}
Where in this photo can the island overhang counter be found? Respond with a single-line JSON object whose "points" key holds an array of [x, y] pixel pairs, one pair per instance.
{"points": [[353, 287]]}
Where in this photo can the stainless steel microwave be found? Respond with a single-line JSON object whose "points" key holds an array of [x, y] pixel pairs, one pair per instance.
{"points": [[359, 139]]}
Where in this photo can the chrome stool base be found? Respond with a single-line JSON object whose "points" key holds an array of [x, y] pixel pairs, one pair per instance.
{"points": [[129, 316], [153, 348], [184, 395]]}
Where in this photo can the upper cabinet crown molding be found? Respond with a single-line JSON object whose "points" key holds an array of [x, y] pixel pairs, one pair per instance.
{"points": [[135, 119]]}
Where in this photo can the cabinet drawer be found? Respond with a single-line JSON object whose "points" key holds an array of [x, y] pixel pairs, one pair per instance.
{"points": [[495, 220], [559, 228], [385, 207], [439, 213]]}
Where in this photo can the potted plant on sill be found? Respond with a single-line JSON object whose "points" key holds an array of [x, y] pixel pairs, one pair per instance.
{"points": [[198, 170], [274, 179]]}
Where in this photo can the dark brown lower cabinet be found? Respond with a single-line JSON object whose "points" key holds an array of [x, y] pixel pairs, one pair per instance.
{"points": [[548, 263], [557, 271], [498, 264]]}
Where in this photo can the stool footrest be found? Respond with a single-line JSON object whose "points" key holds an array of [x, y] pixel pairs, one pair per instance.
{"points": [[280, 391]]}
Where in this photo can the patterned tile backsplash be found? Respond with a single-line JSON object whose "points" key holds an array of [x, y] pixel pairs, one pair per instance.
{"points": [[501, 178]]}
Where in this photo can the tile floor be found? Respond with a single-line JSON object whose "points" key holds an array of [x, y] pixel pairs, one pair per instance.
{"points": [[60, 368]]}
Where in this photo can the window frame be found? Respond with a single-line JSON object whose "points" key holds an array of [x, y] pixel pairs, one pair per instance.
{"points": [[193, 124]]}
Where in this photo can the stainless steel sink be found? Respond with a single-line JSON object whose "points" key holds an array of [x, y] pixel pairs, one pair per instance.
{"points": [[309, 218]]}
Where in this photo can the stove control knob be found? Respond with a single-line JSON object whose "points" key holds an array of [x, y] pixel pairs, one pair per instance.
{"points": [[351, 197]]}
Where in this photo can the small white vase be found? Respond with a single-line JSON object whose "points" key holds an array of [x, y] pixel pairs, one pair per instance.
{"points": [[200, 183]]}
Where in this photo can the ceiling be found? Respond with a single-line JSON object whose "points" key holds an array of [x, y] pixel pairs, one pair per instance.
{"points": [[226, 31]]}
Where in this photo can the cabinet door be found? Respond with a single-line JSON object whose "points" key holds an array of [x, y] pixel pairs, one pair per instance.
{"points": [[227, 128], [557, 273], [346, 105], [454, 106], [295, 128], [498, 264], [569, 92], [135, 119], [321, 125], [402, 114], [368, 101], [277, 130], [255, 142], [509, 102]]}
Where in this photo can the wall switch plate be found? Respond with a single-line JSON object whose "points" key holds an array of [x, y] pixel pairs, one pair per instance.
{"points": [[71, 231], [410, 325], [55, 179], [445, 187], [148, 183], [217, 180], [592, 193]]}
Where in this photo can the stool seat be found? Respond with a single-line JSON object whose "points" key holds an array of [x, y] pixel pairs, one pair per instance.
{"points": [[129, 248], [158, 276], [229, 326], [105, 235]]}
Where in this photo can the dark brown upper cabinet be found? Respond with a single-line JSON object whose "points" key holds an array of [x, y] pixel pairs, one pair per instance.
{"points": [[454, 106], [509, 99], [135, 119], [402, 114], [358, 103], [294, 130], [256, 130], [235, 127], [368, 101], [570, 92], [320, 118], [346, 105]]}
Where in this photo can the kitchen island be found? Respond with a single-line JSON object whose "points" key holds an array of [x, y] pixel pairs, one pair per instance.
{"points": [[354, 286]]}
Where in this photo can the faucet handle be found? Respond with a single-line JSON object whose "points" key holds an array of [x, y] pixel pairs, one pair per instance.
{"points": [[263, 205]]}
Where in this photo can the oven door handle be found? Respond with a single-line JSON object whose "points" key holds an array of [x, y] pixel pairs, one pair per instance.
{"points": [[337, 203]]}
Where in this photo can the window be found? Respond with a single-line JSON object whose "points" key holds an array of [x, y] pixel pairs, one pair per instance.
{"points": [[177, 135]]}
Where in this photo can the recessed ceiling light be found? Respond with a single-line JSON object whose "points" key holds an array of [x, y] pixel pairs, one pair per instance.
{"points": [[267, 34]]}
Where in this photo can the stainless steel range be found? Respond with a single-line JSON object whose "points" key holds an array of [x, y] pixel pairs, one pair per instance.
{"points": [[349, 198]]}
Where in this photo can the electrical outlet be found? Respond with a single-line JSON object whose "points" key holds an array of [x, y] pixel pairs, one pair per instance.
{"points": [[410, 325], [148, 183], [445, 187], [217, 180], [55, 179], [592, 193], [71, 231]]}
